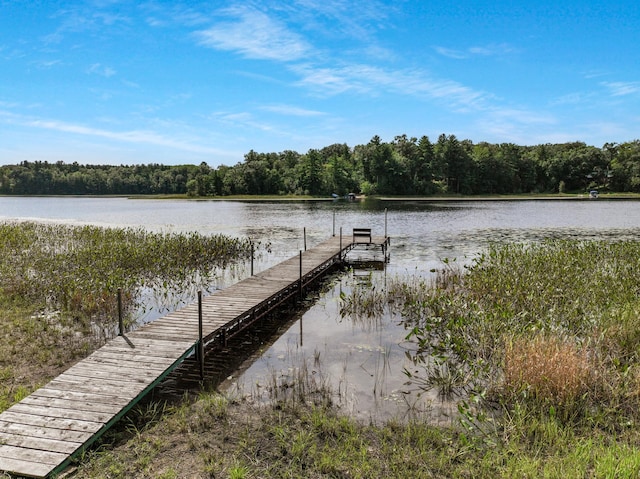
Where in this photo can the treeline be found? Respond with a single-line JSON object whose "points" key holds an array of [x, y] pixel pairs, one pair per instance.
{"points": [[404, 166]]}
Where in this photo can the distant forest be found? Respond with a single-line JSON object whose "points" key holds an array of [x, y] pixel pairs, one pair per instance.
{"points": [[405, 166]]}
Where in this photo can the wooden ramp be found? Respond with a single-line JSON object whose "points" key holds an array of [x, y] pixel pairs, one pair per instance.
{"points": [[40, 435]]}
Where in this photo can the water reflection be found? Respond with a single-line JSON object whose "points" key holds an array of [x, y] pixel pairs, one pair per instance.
{"points": [[357, 360]]}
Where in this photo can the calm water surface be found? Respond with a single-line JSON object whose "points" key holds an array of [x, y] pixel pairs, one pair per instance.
{"points": [[361, 361]]}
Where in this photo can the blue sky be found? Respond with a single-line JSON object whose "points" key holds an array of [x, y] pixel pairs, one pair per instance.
{"points": [[120, 82]]}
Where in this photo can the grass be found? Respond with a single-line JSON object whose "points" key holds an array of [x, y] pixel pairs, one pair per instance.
{"points": [[315, 442], [547, 368], [78, 269], [538, 343]]}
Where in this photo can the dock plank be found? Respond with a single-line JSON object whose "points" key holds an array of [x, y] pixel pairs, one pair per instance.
{"points": [[64, 435], [39, 443], [31, 455]]}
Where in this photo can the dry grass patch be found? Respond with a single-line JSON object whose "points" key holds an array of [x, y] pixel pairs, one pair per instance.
{"points": [[546, 369]]}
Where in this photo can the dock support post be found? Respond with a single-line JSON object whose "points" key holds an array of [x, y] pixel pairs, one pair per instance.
{"points": [[200, 354], [334, 222], [385, 222], [300, 282], [120, 322], [304, 234], [340, 244], [252, 254]]}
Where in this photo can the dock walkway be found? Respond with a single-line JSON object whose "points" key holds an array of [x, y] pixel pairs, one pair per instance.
{"points": [[40, 435]]}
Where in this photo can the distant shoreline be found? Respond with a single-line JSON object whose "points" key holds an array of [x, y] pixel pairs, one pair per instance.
{"points": [[542, 197], [581, 197]]}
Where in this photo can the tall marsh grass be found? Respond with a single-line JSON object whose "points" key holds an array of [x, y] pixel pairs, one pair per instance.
{"points": [[554, 326], [79, 269]]}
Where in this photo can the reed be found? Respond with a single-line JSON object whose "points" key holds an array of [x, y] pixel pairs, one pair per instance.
{"points": [[554, 325], [78, 269]]}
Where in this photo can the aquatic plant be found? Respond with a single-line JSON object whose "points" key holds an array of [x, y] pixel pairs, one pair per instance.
{"points": [[551, 325], [79, 269]]}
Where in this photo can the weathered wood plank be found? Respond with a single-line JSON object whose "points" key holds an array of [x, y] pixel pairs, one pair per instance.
{"points": [[15, 417], [144, 344], [27, 468], [135, 359], [32, 455], [102, 407], [124, 370], [56, 392], [133, 353], [56, 412], [39, 443], [45, 432], [127, 362], [128, 389]]}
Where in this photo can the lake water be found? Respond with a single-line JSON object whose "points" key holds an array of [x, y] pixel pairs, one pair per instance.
{"points": [[362, 362]]}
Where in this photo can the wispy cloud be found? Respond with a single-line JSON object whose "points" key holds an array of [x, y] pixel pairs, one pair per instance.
{"points": [[290, 110], [368, 79], [46, 64], [521, 116], [622, 88], [242, 120], [491, 50], [359, 19], [517, 125], [255, 35], [161, 15], [576, 98], [451, 53], [131, 136], [102, 70]]}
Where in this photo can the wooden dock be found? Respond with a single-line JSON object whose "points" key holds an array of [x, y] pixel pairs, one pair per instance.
{"points": [[40, 435]]}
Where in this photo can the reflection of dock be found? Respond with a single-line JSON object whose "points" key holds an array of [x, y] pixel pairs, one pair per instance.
{"points": [[41, 434]]}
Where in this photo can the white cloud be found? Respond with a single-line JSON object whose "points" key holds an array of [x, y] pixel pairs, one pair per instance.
{"points": [[490, 50], [46, 64], [98, 69], [254, 34], [493, 49], [522, 116], [622, 88], [291, 110], [132, 136], [576, 98], [359, 19], [451, 53], [367, 79]]}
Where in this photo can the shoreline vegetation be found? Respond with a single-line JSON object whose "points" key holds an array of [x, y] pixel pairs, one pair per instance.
{"points": [[406, 166], [303, 198], [537, 343]]}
